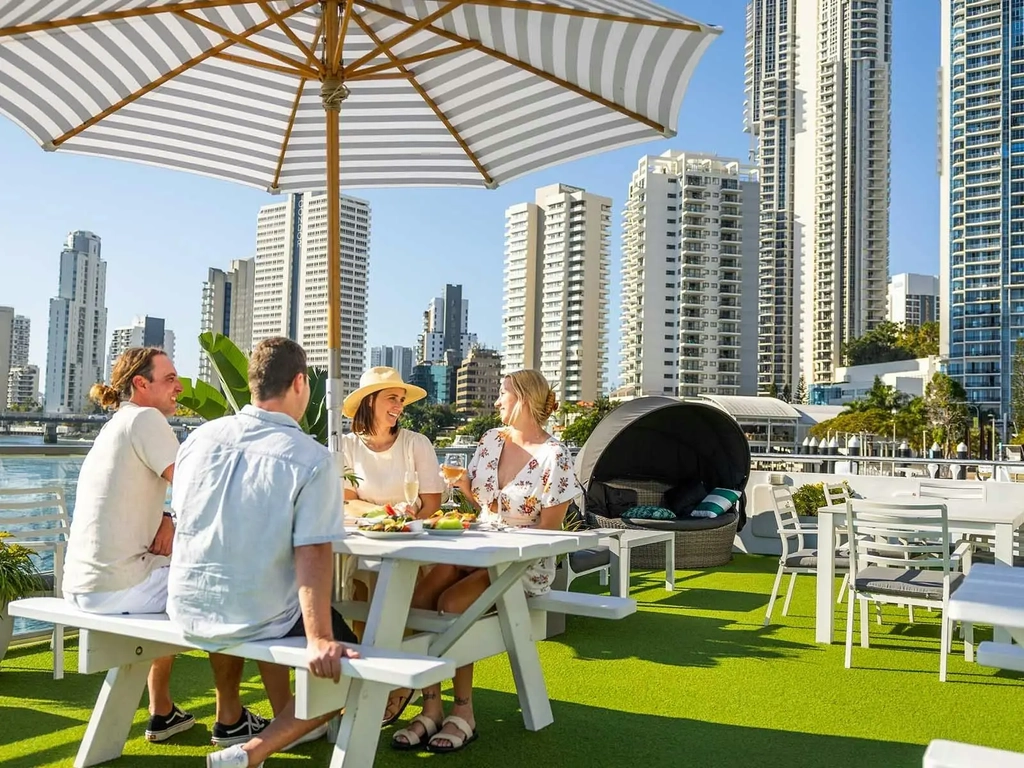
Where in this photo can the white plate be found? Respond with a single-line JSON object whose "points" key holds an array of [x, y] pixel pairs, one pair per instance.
{"points": [[445, 531], [386, 535]]}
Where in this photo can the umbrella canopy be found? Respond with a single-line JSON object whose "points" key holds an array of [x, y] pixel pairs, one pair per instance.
{"points": [[429, 93]]}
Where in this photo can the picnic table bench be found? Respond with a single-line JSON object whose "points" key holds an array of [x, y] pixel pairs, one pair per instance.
{"points": [[124, 646], [993, 595]]}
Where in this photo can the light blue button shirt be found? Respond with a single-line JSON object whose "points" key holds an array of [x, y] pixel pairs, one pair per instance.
{"points": [[247, 490]]}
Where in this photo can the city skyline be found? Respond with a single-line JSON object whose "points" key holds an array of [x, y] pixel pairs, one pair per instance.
{"points": [[203, 222]]}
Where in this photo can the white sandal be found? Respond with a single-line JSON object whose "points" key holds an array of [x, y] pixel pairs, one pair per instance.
{"points": [[457, 741], [412, 739]]}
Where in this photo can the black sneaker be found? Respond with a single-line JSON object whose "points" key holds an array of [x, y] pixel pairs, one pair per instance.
{"points": [[162, 727], [247, 726]]}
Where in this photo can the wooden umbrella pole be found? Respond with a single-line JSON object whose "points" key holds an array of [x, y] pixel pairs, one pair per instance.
{"points": [[332, 92]]}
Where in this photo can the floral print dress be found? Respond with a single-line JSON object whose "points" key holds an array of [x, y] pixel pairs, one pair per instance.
{"points": [[547, 480]]}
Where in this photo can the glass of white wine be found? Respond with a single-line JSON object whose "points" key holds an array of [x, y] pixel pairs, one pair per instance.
{"points": [[453, 468], [411, 487]]}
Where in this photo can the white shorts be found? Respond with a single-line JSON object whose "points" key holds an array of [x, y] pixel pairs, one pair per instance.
{"points": [[148, 597]]}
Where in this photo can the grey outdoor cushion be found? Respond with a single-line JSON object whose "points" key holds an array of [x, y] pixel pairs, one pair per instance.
{"points": [[904, 581], [583, 560], [687, 523], [808, 558]]}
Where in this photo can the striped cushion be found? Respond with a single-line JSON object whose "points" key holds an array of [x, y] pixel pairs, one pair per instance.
{"points": [[720, 500]]}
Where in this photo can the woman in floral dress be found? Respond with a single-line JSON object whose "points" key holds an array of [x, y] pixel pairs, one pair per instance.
{"points": [[520, 476]]}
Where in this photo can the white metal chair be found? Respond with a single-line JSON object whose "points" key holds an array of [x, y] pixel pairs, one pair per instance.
{"points": [[796, 558], [971, 491], [836, 495], [40, 523], [900, 554]]}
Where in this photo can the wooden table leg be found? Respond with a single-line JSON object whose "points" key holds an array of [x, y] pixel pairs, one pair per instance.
{"points": [[113, 714], [359, 735], [514, 618]]}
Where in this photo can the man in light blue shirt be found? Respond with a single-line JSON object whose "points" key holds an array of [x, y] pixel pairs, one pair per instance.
{"points": [[258, 504]]}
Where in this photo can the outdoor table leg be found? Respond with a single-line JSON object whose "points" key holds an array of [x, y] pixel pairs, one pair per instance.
{"points": [[516, 630], [824, 614], [624, 568], [113, 714], [615, 567], [670, 564], [1002, 551], [357, 741]]}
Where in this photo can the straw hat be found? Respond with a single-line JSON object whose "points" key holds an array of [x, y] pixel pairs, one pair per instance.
{"points": [[376, 379]]}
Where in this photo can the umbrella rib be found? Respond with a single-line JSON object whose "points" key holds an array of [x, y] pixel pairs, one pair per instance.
{"points": [[295, 110], [261, 64], [443, 33], [308, 71], [184, 67], [94, 18], [362, 73], [346, 18], [415, 25], [526, 5], [426, 98], [288, 31]]}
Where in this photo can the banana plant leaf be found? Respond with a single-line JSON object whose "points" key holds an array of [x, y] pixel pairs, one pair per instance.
{"points": [[199, 397], [231, 365], [314, 422]]}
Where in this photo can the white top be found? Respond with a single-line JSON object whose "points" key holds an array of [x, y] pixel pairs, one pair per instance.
{"points": [[248, 490], [547, 480], [382, 473], [119, 503]]}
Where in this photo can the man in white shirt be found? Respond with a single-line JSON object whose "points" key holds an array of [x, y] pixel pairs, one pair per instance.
{"points": [[258, 504], [121, 536]]}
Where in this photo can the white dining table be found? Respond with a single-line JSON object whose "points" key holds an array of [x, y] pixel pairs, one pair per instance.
{"points": [[997, 519], [506, 555]]}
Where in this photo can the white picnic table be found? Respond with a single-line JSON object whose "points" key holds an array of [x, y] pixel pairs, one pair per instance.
{"points": [[966, 517], [993, 595], [467, 637]]}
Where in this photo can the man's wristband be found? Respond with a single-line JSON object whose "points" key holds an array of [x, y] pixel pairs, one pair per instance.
{"points": [[168, 514]]}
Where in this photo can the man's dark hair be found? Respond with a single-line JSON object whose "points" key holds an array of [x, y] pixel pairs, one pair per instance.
{"points": [[273, 366]]}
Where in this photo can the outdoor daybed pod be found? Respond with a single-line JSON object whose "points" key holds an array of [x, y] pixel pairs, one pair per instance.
{"points": [[652, 445]]}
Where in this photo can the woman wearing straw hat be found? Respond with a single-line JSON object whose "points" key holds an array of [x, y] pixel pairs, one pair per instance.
{"points": [[393, 465], [388, 460]]}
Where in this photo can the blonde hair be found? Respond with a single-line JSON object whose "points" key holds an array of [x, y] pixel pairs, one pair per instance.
{"points": [[533, 392], [135, 361]]}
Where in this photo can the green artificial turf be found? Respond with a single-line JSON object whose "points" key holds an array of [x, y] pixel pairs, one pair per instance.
{"points": [[693, 679]]}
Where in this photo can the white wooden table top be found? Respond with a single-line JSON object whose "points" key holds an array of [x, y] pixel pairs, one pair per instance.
{"points": [[474, 549], [991, 594], [959, 510]]}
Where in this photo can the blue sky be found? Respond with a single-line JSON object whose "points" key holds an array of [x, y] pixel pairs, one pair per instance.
{"points": [[163, 229]]}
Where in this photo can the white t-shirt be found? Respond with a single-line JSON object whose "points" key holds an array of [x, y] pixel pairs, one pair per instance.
{"points": [[119, 503], [382, 474]]}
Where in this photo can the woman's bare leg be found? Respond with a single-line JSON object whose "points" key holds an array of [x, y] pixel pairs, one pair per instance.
{"points": [[457, 599]]}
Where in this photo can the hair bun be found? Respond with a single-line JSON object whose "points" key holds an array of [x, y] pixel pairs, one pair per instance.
{"points": [[103, 395], [552, 403]]}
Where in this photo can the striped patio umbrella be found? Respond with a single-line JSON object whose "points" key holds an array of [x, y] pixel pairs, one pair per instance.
{"points": [[295, 95]]}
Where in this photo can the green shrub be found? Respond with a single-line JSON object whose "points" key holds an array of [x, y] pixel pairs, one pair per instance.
{"points": [[18, 575], [811, 497]]}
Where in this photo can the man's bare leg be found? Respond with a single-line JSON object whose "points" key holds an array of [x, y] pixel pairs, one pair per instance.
{"points": [[227, 678], [278, 685], [159, 683]]}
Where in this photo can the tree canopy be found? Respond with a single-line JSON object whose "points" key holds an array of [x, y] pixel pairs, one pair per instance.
{"points": [[428, 419], [889, 342], [589, 415]]}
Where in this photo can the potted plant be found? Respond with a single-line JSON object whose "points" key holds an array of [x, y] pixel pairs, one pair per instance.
{"points": [[18, 578]]}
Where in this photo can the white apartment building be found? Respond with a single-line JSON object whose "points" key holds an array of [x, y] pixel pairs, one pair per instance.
{"points": [[689, 277], [144, 331], [290, 284], [22, 386], [402, 359], [14, 347], [555, 307], [913, 299], [818, 78], [21, 337], [445, 325], [981, 208], [227, 308], [6, 339], [78, 325]]}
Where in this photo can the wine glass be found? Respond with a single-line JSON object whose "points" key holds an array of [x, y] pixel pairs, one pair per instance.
{"points": [[453, 468], [411, 487]]}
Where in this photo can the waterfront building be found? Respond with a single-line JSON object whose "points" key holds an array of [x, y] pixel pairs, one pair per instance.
{"points": [[227, 308], [144, 331], [818, 76], [290, 282], [78, 325], [22, 386], [397, 357], [478, 381], [913, 299], [556, 282], [445, 326], [689, 277]]}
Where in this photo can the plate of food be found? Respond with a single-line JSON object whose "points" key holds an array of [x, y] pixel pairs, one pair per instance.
{"points": [[447, 524], [390, 524]]}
